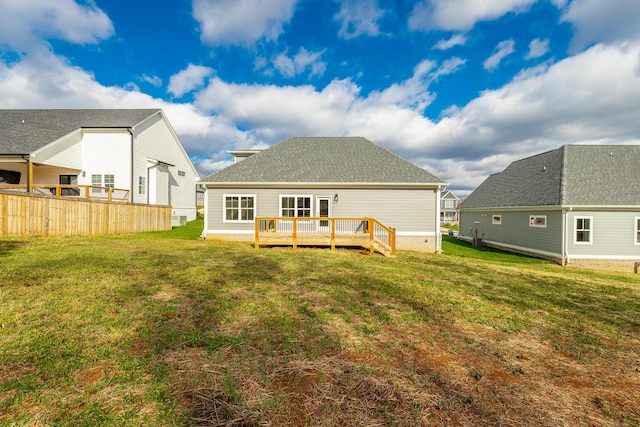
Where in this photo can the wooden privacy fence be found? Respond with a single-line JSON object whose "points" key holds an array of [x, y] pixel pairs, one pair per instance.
{"points": [[367, 233], [24, 215]]}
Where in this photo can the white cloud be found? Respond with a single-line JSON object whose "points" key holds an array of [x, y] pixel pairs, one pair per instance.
{"points": [[359, 17], [152, 80], [454, 40], [537, 48], [241, 22], [602, 21], [299, 63], [502, 50], [593, 97], [23, 24], [189, 79], [461, 15]]}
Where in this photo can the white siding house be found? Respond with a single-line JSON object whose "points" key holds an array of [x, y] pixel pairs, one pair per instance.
{"points": [[132, 150]]}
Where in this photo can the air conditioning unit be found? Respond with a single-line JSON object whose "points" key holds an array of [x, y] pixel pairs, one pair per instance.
{"points": [[178, 220]]}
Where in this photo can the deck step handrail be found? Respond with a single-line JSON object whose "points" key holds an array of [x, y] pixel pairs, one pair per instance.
{"points": [[326, 231]]}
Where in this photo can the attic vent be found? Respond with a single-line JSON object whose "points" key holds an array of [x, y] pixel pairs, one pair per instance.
{"points": [[181, 173]]}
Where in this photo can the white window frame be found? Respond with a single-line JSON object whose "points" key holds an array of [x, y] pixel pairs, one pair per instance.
{"points": [[296, 208], [96, 179], [239, 220], [533, 221], [142, 185], [449, 204], [109, 180], [496, 219], [636, 234], [575, 230]]}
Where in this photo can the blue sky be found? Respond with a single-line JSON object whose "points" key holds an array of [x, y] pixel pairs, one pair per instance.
{"points": [[459, 87]]}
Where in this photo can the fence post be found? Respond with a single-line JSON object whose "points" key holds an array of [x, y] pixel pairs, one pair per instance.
{"points": [[333, 233]]}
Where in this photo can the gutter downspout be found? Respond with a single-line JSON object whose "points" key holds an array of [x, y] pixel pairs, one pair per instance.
{"points": [[438, 233], [565, 243], [27, 158], [130, 130]]}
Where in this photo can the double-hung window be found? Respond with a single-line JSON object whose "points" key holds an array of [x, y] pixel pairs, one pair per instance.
{"points": [[96, 182], [449, 204], [637, 231], [239, 207], [584, 231], [142, 185], [295, 206]]}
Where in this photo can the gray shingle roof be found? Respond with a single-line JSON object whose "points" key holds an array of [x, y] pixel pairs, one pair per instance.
{"points": [[578, 175], [324, 160], [41, 127]]}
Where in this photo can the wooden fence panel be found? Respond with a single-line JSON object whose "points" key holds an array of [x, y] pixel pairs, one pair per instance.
{"points": [[25, 215]]}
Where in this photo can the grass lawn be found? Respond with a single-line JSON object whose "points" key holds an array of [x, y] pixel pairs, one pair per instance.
{"points": [[167, 329]]}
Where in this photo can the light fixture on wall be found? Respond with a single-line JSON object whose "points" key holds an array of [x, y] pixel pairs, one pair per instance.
{"points": [[84, 174], [335, 198]]}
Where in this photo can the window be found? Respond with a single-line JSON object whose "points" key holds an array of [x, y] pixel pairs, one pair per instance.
{"points": [[295, 206], [109, 181], [68, 179], [142, 185], [96, 181], [181, 173], [637, 233], [496, 219], [538, 221], [239, 208], [449, 204], [583, 229]]}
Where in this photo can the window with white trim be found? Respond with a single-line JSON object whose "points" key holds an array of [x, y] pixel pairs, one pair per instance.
{"points": [[142, 185], [496, 219], [109, 180], [239, 207], [449, 204], [295, 206], [96, 181], [538, 221], [637, 231], [583, 227]]}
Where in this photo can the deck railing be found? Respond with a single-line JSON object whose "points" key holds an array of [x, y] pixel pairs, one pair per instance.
{"points": [[360, 232], [77, 191]]}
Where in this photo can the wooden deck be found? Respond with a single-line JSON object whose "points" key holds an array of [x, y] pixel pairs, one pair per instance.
{"points": [[365, 233]]}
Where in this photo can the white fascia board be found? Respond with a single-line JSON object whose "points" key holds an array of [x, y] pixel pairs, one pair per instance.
{"points": [[393, 185], [513, 208], [601, 208], [17, 158]]}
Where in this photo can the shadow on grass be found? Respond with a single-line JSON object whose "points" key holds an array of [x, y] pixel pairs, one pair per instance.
{"points": [[6, 246], [455, 247]]}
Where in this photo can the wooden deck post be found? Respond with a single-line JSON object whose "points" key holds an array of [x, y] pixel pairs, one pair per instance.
{"points": [[333, 234], [295, 233], [257, 231], [372, 248]]}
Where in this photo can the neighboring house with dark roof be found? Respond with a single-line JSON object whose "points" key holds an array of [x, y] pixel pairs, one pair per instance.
{"points": [[448, 207], [578, 204], [338, 177], [135, 150]]}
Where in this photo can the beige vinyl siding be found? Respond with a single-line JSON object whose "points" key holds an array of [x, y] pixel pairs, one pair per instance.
{"points": [[409, 211]]}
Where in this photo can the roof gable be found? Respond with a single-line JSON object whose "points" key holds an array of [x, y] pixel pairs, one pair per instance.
{"points": [[578, 175], [324, 160], [25, 131]]}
